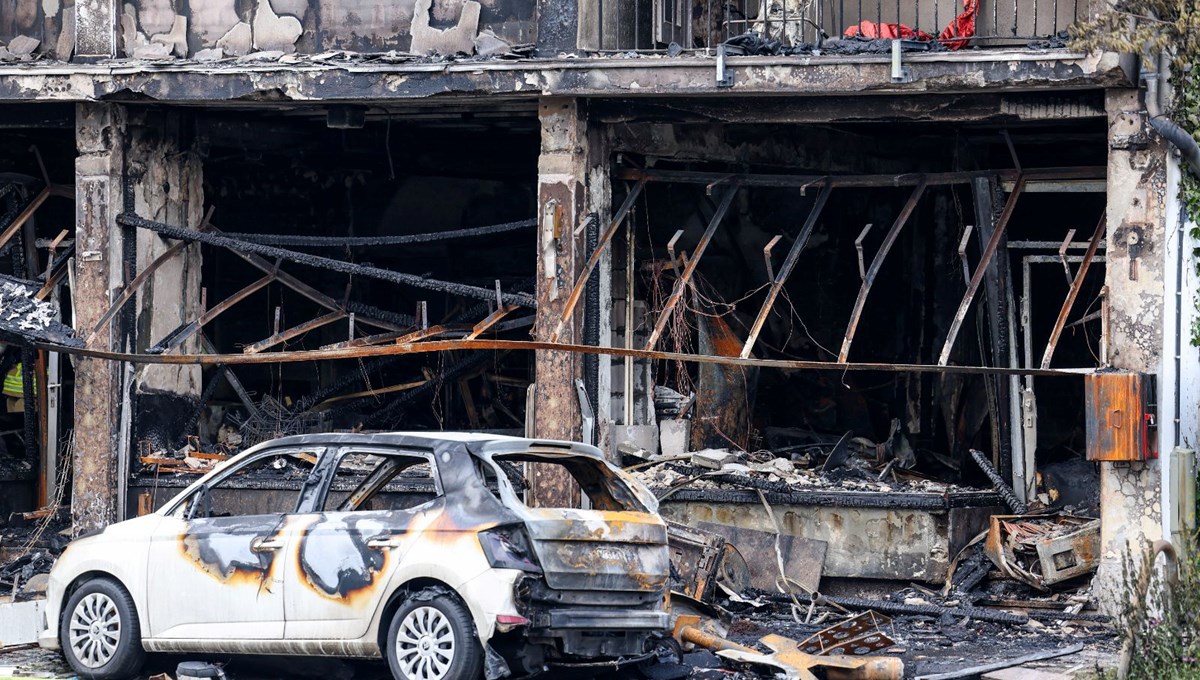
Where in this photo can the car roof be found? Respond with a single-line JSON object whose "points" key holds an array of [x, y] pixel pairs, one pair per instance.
{"points": [[497, 443]]}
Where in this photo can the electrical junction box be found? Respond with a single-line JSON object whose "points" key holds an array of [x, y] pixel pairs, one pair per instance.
{"points": [[1121, 416]]}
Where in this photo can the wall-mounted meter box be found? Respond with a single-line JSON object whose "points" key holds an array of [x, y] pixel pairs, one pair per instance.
{"points": [[1121, 415]]}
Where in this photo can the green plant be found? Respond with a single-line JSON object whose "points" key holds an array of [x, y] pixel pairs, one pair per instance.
{"points": [[1164, 618], [1147, 28]]}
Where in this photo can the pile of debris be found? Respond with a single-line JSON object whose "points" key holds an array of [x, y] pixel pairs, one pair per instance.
{"points": [[724, 600], [845, 467], [25, 316], [30, 542]]}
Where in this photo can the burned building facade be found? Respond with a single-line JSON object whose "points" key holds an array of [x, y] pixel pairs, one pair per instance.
{"points": [[758, 228]]}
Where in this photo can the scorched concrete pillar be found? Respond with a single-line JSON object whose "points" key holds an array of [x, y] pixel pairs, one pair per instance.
{"points": [[563, 204]]}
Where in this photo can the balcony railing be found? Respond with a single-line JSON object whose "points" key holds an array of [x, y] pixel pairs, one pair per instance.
{"points": [[653, 25]]}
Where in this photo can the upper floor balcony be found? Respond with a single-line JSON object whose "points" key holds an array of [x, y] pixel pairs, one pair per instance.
{"points": [[208, 30], [824, 26]]}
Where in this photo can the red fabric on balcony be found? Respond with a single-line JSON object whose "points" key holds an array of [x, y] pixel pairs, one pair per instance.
{"points": [[955, 36], [870, 29], [963, 26]]}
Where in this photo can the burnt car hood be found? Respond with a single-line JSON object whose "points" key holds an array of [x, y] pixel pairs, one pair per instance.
{"points": [[598, 550]]}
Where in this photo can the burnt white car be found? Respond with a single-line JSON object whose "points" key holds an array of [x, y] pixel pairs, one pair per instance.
{"points": [[462, 580]]}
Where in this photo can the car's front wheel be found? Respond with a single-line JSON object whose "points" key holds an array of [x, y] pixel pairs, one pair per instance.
{"points": [[99, 633], [432, 637]]}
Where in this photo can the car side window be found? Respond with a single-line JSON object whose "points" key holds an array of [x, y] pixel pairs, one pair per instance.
{"points": [[268, 484], [380, 479]]}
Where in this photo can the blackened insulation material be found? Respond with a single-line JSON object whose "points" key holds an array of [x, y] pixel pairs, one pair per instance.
{"points": [[1002, 488], [886, 607], [27, 319], [376, 241], [591, 321], [1051, 615], [521, 300], [372, 312]]}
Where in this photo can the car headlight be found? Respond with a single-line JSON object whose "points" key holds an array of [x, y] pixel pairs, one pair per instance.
{"points": [[507, 547]]}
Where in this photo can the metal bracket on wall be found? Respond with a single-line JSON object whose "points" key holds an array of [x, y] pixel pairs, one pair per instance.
{"points": [[724, 76]]}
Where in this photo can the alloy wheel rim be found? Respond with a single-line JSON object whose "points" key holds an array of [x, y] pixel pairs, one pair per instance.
{"points": [[95, 630], [425, 644]]}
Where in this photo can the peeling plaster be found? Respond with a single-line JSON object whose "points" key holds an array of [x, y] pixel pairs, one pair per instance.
{"points": [[273, 31], [155, 16], [213, 19], [457, 38]]}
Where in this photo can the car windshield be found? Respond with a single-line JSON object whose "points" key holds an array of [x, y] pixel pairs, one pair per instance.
{"points": [[600, 484]]}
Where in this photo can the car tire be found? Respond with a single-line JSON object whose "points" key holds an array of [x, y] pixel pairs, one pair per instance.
{"points": [[100, 633], [432, 637]]}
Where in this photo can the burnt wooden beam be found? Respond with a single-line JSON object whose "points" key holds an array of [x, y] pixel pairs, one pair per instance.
{"points": [[681, 283], [785, 270], [1073, 293], [181, 335], [284, 336], [594, 259], [982, 269], [876, 263], [857, 181]]}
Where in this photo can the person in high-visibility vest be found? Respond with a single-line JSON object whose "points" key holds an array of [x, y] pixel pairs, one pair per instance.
{"points": [[14, 385]]}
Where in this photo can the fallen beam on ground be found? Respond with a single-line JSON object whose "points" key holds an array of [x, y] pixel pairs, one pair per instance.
{"points": [[1009, 663]]}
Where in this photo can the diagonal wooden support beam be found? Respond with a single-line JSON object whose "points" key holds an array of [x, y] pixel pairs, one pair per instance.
{"points": [[681, 283], [23, 217], [491, 320], [594, 259], [785, 270], [1061, 321], [888, 241], [985, 261], [284, 336], [433, 332], [138, 281], [306, 290], [181, 336]]}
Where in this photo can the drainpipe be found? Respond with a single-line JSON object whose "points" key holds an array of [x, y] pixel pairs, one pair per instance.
{"points": [[1177, 136]]}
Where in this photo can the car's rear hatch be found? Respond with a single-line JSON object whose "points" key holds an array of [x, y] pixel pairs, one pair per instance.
{"points": [[598, 550]]}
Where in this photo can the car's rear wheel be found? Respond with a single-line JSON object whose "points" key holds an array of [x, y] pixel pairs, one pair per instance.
{"points": [[99, 632], [432, 637]]}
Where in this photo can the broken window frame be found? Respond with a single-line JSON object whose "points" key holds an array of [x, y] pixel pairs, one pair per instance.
{"points": [[372, 485], [608, 480], [186, 501]]}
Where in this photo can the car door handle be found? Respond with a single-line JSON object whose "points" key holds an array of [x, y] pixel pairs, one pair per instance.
{"points": [[391, 542], [266, 544]]}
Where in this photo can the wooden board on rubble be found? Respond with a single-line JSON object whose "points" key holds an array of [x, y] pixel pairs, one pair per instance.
{"points": [[803, 558]]}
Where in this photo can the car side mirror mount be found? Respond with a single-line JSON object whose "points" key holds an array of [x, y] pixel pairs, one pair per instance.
{"points": [[200, 501]]}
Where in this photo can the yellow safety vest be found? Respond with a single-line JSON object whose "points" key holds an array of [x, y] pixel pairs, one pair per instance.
{"points": [[14, 383]]}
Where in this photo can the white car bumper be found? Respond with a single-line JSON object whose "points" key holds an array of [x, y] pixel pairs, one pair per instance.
{"points": [[49, 640]]}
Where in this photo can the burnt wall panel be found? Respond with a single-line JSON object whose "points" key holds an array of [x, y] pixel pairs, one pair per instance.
{"points": [[159, 28], [40, 20]]}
